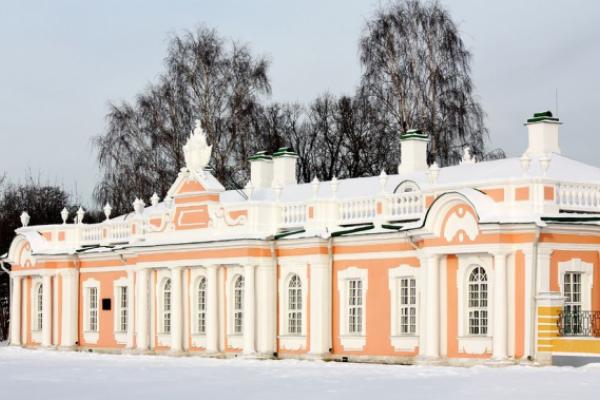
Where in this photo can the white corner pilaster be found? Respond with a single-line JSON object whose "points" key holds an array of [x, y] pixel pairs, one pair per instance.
{"points": [[70, 307], [249, 310], [47, 310], [320, 308], [266, 309], [15, 311], [500, 307], [177, 310], [130, 308], [432, 306], [142, 311], [212, 311]]}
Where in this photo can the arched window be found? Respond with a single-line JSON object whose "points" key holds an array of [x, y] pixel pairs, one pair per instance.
{"points": [[478, 302], [238, 305], [295, 305], [166, 307], [39, 307], [201, 307]]}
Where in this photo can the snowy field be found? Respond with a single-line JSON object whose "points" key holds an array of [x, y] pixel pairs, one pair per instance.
{"points": [[35, 374]]}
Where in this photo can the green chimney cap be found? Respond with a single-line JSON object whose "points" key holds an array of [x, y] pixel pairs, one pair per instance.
{"points": [[261, 155], [414, 134], [542, 116], [285, 151]]}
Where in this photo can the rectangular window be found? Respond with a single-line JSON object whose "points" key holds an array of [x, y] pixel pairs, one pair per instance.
{"points": [[355, 307], [295, 310], [92, 309], [572, 309], [122, 301], [201, 328], [408, 306], [40, 309]]}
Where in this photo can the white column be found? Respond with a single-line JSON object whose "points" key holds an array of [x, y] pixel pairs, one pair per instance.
{"points": [[266, 309], [70, 302], [55, 313], [142, 309], [47, 310], [249, 302], [15, 311], [500, 307], [212, 311], [320, 308], [432, 304], [176, 310], [130, 307]]}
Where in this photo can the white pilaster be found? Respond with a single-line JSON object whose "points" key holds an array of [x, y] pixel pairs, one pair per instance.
{"points": [[212, 310], [130, 308], [320, 308], [176, 310], [47, 310], [70, 302], [142, 309], [543, 270], [432, 306], [249, 308], [266, 309], [15, 311], [500, 307]]}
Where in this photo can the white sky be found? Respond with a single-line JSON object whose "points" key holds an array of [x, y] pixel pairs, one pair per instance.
{"points": [[61, 62]]}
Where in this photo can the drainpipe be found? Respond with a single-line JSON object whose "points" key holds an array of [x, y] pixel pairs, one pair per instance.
{"points": [[330, 260], [534, 316], [276, 325]]}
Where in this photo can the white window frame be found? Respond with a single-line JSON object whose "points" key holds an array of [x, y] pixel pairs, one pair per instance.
{"points": [[297, 341], [234, 340], [118, 285], [483, 297], [354, 341], [474, 344], [163, 312], [38, 317], [91, 336], [295, 306], [407, 342], [237, 293], [158, 336], [587, 279], [36, 334]]}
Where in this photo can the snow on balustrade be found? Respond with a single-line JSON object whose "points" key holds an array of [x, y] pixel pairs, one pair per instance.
{"points": [[578, 197], [357, 210], [405, 205], [91, 234], [293, 215], [119, 232]]}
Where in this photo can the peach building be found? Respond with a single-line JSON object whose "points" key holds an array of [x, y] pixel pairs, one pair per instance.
{"points": [[483, 262]]}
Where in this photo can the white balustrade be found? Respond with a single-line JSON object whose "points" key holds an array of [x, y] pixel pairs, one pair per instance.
{"points": [[578, 197], [406, 205], [357, 210], [90, 234], [293, 215], [119, 232]]}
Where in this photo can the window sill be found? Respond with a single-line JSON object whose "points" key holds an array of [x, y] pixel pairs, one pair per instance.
{"points": [[292, 342], [235, 341], [121, 337], [405, 342], [353, 342], [475, 344], [164, 339], [199, 340], [91, 337]]}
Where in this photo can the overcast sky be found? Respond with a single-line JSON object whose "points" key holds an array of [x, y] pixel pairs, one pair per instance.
{"points": [[61, 62]]}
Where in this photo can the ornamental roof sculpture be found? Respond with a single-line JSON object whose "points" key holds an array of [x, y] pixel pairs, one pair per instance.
{"points": [[196, 151]]}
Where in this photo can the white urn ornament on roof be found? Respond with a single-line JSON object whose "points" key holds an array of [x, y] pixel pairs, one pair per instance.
{"points": [[197, 151]]}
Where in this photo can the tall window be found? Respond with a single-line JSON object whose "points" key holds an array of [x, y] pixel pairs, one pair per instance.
{"points": [[123, 300], [238, 305], [572, 308], [166, 309], [39, 307], [355, 306], [478, 302], [408, 306], [92, 309], [295, 305], [201, 307]]}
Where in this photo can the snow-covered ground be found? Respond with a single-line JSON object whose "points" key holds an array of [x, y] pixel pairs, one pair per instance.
{"points": [[36, 374]]}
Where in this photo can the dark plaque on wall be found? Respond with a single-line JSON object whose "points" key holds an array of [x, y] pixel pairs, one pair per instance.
{"points": [[105, 304]]}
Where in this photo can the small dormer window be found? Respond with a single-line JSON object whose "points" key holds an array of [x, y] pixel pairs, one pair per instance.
{"points": [[407, 187]]}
